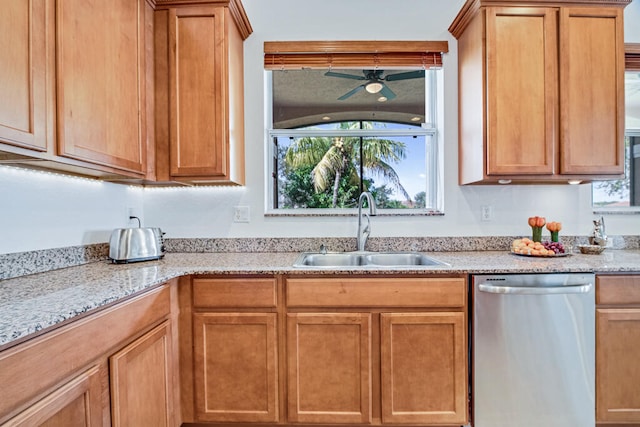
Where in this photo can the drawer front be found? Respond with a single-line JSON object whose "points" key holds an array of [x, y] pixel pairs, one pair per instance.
{"points": [[377, 292], [618, 289], [222, 293]]}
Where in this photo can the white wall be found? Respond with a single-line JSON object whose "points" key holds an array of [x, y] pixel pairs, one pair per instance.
{"points": [[39, 211], [42, 210]]}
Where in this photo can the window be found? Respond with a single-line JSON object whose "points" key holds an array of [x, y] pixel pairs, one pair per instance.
{"points": [[624, 194], [335, 132]]}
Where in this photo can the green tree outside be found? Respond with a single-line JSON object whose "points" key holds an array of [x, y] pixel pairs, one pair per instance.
{"points": [[330, 165]]}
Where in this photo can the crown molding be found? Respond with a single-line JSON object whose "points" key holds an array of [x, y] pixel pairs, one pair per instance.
{"points": [[472, 7], [235, 9]]}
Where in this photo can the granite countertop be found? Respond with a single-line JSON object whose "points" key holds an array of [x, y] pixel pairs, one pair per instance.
{"points": [[30, 304]]}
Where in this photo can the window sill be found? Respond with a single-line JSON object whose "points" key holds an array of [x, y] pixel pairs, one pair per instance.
{"points": [[617, 211], [298, 213]]}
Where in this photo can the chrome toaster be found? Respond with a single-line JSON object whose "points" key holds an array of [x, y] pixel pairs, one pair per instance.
{"points": [[136, 244]]}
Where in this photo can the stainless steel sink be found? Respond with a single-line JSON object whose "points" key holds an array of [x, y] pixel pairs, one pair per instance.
{"points": [[367, 259], [400, 259], [341, 259]]}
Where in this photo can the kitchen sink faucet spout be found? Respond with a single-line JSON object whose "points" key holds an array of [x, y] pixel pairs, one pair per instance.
{"points": [[363, 232]]}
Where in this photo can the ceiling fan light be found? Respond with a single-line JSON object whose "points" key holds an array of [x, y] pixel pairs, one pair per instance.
{"points": [[373, 87]]}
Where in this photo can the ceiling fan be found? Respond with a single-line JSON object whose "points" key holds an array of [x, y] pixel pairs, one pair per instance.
{"points": [[375, 81]]}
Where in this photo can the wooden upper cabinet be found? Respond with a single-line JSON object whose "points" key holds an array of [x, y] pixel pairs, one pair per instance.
{"points": [[204, 140], [541, 91], [592, 91], [23, 55], [100, 83], [521, 90]]}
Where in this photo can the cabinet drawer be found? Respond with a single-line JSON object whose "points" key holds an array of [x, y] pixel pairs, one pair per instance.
{"points": [[618, 289], [223, 293], [376, 292]]}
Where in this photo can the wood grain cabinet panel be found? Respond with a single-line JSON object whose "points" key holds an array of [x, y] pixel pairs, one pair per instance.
{"points": [[352, 292], [390, 350], [230, 292], [329, 367], [235, 356], [142, 381], [204, 142], [423, 360], [77, 403], [23, 55], [100, 57], [522, 65], [617, 349], [591, 91], [541, 91], [617, 367]]}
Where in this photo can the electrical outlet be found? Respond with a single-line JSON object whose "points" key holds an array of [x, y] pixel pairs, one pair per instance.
{"points": [[241, 214], [486, 213]]}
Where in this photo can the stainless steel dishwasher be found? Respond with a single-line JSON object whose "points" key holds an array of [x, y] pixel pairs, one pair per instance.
{"points": [[533, 350]]}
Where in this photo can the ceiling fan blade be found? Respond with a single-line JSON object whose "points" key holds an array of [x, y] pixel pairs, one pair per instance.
{"points": [[387, 93], [405, 76], [343, 75], [351, 92]]}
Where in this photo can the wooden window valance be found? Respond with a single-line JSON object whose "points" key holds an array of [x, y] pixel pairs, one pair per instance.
{"points": [[632, 56], [353, 54]]}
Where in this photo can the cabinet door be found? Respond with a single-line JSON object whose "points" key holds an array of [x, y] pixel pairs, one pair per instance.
{"points": [[197, 58], [617, 367], [522, 94], [424, 368], [100, 81], [142, 381], [22, 73], [76, 404], [235, 357], [329, 367], [592, 91]]}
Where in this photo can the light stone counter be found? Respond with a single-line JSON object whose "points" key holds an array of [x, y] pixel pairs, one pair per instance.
{"points": [[32, 303]]}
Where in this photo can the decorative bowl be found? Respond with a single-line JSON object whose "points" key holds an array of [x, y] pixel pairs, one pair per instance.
{"points": [[591, 249]]}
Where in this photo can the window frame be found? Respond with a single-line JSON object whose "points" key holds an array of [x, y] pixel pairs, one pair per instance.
{"points": [[632, 63], [360, 54]]}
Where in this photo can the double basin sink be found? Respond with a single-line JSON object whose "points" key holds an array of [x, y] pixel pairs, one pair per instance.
{"points": [[367, 259]]}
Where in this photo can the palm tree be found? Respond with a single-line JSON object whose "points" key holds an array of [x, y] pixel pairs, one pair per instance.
{"points": [[332, 158]]}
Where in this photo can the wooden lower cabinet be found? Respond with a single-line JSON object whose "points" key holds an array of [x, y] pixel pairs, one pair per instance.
{"points": [[329, 367], [376, 350], [65, 377], [423, 359], [142, 381], [76, 404], [618, 349], [235, 372]]}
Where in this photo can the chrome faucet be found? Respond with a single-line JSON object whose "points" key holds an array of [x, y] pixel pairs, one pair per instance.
{"points": [[363, 233]]}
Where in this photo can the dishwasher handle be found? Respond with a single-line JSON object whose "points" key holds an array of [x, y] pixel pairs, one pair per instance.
{"points": [[535, 290]]}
